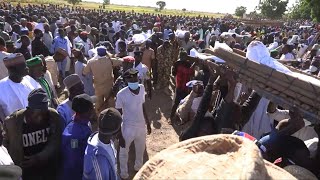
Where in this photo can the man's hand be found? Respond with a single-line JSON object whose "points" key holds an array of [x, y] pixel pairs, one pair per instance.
{"points": [[29, 161], [212, 66], [296, 119], [207, 63], [272, 107], [295, 114], [149, 129], [122, 142], [194, 89], [230, 76], [317, 129], [244, 96]]}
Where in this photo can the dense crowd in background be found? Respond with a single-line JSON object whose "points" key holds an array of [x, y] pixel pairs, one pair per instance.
{"points": [[111, 62]]}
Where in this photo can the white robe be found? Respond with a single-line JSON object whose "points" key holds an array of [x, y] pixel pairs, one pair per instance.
{"points": [[143, 72], [207, 38], [259, 122], [7, 27], [14, 96], [5, 158], [287, 57], [3, 69], [87, 45], [87, 79], [47, 39], [48, 77], [39, 26]]}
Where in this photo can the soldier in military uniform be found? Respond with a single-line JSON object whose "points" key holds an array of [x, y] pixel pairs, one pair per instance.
{"points": [[165, 62]]}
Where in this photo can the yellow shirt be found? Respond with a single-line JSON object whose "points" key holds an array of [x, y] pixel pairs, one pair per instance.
{"points": [[30, 35]]}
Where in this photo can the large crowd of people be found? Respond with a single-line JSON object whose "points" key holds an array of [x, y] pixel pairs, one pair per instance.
{"points": [[109, 63]]}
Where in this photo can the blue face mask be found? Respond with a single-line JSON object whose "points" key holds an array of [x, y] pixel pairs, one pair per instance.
{"points": [[133, 86]]}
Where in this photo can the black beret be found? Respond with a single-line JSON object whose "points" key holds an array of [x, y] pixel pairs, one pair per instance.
{"points": [[109, 121], [130, 73], [38, 99], [9, 43], [82, 103]]}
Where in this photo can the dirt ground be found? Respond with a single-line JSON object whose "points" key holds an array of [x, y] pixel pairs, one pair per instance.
{"points": [[163, 135]]}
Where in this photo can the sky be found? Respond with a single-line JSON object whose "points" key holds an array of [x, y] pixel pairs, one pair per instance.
{"points": [[216, 6]]}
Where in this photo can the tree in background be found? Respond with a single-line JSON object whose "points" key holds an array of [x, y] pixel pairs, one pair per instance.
{"points": [[254, 15], [184, 9], [314, 5], [161, 5], [74, 2], [240, 11], [273, 9], [306, 9], [301, 10], [105, 2]]}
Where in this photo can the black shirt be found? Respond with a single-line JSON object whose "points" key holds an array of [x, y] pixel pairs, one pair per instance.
{"points": [[38, 48], [25, 52], [34, 137]]}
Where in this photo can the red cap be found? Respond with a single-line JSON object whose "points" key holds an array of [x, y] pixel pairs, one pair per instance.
{"points": [[129, 59], [84, 33]]}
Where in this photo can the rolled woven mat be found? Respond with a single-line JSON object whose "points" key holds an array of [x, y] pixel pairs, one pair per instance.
{"points": [[291, 83], [296, 88], [220, 156], [302, 72], [248, 76], [283, 89], [242, 53]]}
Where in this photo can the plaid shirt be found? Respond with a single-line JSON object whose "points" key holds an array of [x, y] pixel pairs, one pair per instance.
{"points": [[183, 72]]}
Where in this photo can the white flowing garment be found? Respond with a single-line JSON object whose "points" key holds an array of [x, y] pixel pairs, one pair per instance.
{"points": [[259, 122], [14, 96], [5, 158], [87, 79]]}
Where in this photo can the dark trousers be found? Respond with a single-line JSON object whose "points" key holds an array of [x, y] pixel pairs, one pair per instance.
{"points": [[178, 96], [155, 71]]}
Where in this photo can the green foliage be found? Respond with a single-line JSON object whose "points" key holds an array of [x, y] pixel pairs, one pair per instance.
{"points": [[273, 9], [315, 9], [74, 2], [240, 11], [161, 5], [255, 15], [306, 9], [106, 2], [301, 10], [184, 9]]}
